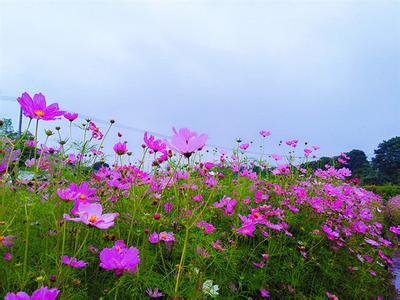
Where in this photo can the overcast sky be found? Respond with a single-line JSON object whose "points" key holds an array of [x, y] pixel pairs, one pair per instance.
{"points": [[327, 72]]}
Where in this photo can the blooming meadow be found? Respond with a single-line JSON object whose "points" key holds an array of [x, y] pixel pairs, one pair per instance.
{"points": [[185, 226]]}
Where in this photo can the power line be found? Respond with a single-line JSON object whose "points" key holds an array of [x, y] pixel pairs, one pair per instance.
{"points": [[158, 134]]}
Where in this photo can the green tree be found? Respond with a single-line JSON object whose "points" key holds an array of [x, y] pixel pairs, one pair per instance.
{"points": [[358, 163], [387, 160]]}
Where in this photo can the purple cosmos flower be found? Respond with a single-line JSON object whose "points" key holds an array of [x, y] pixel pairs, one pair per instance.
{"points": [[7, 241], [187, 142], [36, 108], [120, 148], [155, 293], [73, 262], [119, 258], [395, 230], [372, 242], [91, 214], [70, 116], [43, 293], [7, 256], [153, 238]]}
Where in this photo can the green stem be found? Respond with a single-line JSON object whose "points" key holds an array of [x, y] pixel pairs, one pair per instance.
{"points": [[182, 261]]}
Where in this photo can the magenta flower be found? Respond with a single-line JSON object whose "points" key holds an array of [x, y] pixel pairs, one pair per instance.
{"points": [[331, 296], [120, 148], [264, 293], [265, 133], [154, 144], [73, 262], [71, 116], [119, 258], [207, 227], [36, 108], [276, 156], [91, 214], [395, 230], [7, 241], [96, 133], [153, 238], [43, 293], [216, 245], [7, 256], [244, 146], [66, 194], [166, 236], [155, 293], [247, 229], [372, 242], [187, 142], [83, 191]]}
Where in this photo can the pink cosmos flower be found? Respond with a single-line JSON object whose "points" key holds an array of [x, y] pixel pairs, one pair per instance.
{"points": [[244, 146], [197, 198], [187, 142], [208, 228], [43, 293], [120, 148], [154, 144], [372, 242], [201, 251], [259, 264], [7, 256], [7, 241], [331, 296], [119, 258], [217, 245], [96, 133], [265, 133], [395, 230], [264, 293], [228, 204], [72, 158], [247, 229], [91, 214], [276, 156], [153, 238], [71, 116], [168, 207], [73, 262], [36, 108], [166, 236], [155, 293], [307, 152]]}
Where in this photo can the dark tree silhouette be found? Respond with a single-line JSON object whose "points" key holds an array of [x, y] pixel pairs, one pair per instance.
{"points": [[387, 160]]}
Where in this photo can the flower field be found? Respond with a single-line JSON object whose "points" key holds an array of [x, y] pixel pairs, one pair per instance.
{"points": [[184, 226]]}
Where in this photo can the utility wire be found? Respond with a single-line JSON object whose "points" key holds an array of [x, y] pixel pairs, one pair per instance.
{"points": [[158, 134]]}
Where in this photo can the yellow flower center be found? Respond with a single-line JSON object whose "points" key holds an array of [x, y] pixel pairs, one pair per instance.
{"points": [[39, 113], [2, 238], [92, 219], [82, 196], [163, 236]]}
